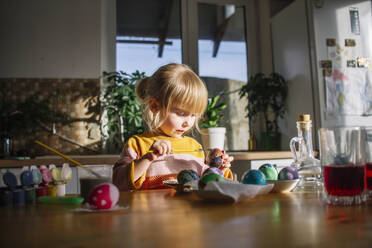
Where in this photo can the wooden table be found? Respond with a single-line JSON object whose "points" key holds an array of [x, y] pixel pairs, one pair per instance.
{"points": [[162, 218]]}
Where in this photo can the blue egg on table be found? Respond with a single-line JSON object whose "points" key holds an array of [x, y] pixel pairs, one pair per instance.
{"points": [[186, 176], [254, 177], [288, 173]]}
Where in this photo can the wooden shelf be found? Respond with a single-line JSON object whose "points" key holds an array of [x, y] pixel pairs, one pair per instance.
{"points": [[261, 155]]}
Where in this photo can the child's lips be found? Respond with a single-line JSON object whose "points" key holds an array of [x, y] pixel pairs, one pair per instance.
{"points": [[180, 131]]}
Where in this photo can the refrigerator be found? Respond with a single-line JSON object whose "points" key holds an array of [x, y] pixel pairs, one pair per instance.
{"points": [[323, 48]]}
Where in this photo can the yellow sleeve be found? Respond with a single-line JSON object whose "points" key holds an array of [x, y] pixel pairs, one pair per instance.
{"points": [[191, 145], [138, 145], [135, 184]]}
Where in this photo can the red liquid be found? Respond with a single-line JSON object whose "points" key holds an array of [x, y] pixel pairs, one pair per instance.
{"points": [[344, 180], [369, 175]]}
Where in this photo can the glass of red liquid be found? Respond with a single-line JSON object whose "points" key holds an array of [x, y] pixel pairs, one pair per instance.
{"points": [[368, 131], [343, 160]]}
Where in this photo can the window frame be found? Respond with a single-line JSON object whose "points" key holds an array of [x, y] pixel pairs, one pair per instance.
{"points": [[190, 32]]}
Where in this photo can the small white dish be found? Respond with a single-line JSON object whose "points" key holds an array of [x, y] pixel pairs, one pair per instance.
{"points": [[283, 186], [182, 188]]}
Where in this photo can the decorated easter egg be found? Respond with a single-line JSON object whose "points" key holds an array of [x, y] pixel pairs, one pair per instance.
{"points": [[186, 176], [213, 170], [288, 173], [268, 165], [254, 177], [103, 196], [209, 178], [269, 171], [215, 158]]}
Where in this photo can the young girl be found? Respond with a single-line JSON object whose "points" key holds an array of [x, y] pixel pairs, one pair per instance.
{"points": [[173, 99]]}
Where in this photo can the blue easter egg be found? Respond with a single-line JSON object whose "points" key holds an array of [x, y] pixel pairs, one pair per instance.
{"points": [[186, 176], [254, 177]]}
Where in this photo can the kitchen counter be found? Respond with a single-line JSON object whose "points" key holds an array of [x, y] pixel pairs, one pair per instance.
{"points": [[164, 218], [111, 159]]}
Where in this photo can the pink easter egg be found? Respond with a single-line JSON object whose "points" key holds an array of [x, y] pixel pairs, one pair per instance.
{"points": [[103, 196]]}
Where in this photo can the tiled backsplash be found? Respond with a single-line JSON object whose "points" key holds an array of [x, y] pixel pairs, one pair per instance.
{"points": [[77, 98]]}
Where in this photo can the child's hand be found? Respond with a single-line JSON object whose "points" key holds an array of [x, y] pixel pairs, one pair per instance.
{"points": [[159, 148], [226, 161], [218, 158]]}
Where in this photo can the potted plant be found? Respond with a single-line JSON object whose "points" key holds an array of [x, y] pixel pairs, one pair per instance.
{"points": [[213, 136], [266, 97], [121, 108]]}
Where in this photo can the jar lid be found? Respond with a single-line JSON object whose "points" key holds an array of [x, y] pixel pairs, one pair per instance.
{"points": [[26, 178], [10, 180], [36, 175]]}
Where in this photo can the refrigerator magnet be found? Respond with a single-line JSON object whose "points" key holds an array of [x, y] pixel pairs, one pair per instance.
{"points": [[326, 63], [331, 42], [350, 42], [351, 63], [327, 72], [354, 20]]}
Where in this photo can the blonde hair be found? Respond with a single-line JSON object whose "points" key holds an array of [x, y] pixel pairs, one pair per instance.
{"points": [[172, 86]]}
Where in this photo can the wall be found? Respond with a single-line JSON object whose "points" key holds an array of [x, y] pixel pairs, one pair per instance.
{"points": [[53, 39], [237, 128], [47, 46]]}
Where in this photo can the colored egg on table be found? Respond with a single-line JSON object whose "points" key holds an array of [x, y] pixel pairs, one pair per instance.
{"points": [[186, 176], [103, 196], [254, 177], [213, 170], [269, 171], [288, 173], [209, 178], [215, 158], [268, 165]]}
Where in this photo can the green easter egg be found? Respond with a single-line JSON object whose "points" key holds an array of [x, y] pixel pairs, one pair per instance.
{"points": [[209, 178], [269, 172]]}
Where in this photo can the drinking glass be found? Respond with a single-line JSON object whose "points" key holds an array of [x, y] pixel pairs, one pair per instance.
{"points": [[368, 139], [342, 156]]}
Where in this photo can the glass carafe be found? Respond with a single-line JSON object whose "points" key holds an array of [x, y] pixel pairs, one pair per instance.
{"points": [[307, 165]]}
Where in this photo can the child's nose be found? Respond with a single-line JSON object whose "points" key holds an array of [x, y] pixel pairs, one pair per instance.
{"points": [[186, 122]]}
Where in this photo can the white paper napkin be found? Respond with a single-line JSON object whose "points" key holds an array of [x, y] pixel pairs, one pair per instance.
{"points": [[232, 192]]}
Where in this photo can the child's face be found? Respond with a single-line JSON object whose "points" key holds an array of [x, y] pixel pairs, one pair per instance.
{"points": [[178, 122]]}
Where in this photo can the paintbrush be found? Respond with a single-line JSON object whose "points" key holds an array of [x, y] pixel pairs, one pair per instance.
{"points": [[181, 151], [68, 158]]}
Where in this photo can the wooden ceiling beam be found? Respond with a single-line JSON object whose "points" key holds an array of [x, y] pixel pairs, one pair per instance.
{"points": [[219, 36], [164, 28]]}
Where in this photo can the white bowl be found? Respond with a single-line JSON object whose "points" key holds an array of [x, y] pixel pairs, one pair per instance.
{"points": [[283, 186]]}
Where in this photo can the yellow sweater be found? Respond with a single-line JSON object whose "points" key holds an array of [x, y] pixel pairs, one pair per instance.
{"points": [[165, 168]]}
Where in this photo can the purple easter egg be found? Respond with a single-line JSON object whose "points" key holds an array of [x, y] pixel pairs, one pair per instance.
{"points": [[288, 173], [213, 170]]}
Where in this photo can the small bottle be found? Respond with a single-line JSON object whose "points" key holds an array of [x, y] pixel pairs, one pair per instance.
{"points": [[307, 165]]}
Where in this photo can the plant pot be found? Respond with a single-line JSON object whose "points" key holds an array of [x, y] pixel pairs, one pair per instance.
{"points": [[213, 137], [270, 141]]}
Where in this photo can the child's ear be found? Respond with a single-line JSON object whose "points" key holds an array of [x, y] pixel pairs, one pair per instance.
{"points": [[154, 105]]}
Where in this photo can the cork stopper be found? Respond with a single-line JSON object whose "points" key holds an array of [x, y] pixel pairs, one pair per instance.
{"points": [[305, 117], [304, 122]]}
